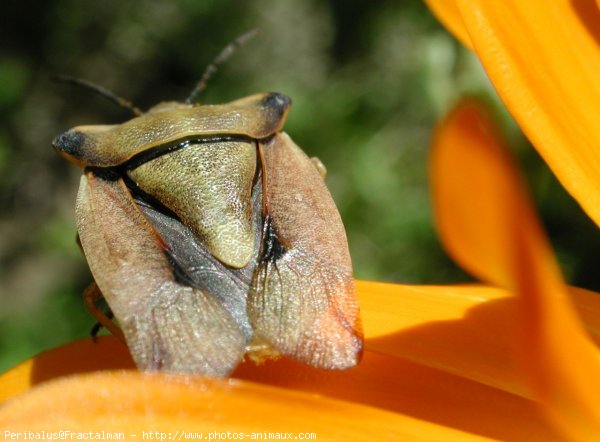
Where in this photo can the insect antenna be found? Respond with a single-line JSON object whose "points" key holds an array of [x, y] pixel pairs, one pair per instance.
{"points": [[219, 60], [109, 95]]}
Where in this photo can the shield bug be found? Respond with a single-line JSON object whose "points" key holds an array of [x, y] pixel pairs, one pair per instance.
{"points": [[212, 235]]}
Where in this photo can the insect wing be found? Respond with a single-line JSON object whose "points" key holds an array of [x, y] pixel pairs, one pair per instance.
{"points": [[168, 325], [195, 264], [303, 300]]}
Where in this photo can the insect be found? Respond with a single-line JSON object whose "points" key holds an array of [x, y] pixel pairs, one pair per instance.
{"points": [[212, 235]]}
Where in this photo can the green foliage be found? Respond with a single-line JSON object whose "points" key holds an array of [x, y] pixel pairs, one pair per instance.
{"points": [[59, 317]]}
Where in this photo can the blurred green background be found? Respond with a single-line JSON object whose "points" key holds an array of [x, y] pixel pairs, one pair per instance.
{"points": [[368, 81]]}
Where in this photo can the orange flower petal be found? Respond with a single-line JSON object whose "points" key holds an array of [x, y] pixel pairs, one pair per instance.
{"points": [[447, 12], [458, 329], [386, 397], [465, 212], [414, 390], [544, 58], [461, 330], [480, 198], [86, 355], [133, 403], [466, 330]]}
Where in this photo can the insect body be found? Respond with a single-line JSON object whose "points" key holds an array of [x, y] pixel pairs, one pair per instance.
{"points": [[211, 234]]}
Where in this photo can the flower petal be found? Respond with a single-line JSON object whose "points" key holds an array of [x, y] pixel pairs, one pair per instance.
{"points": [[466, 330], [173, 406], [461, 330], [466, 213], [490, 205], [447, 12], [86, 355], [415, 390], [386, 397], [456, 330], [543, 59]]}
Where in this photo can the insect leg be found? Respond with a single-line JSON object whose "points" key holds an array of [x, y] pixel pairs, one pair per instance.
{"points": [[97, 326], [91, 296]]}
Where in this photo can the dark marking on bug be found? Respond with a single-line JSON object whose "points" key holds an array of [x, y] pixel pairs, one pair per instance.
{"points": [[273, 250], [145, 199], [151, 154], [105, 173], [277, 104], [69, 142]]}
